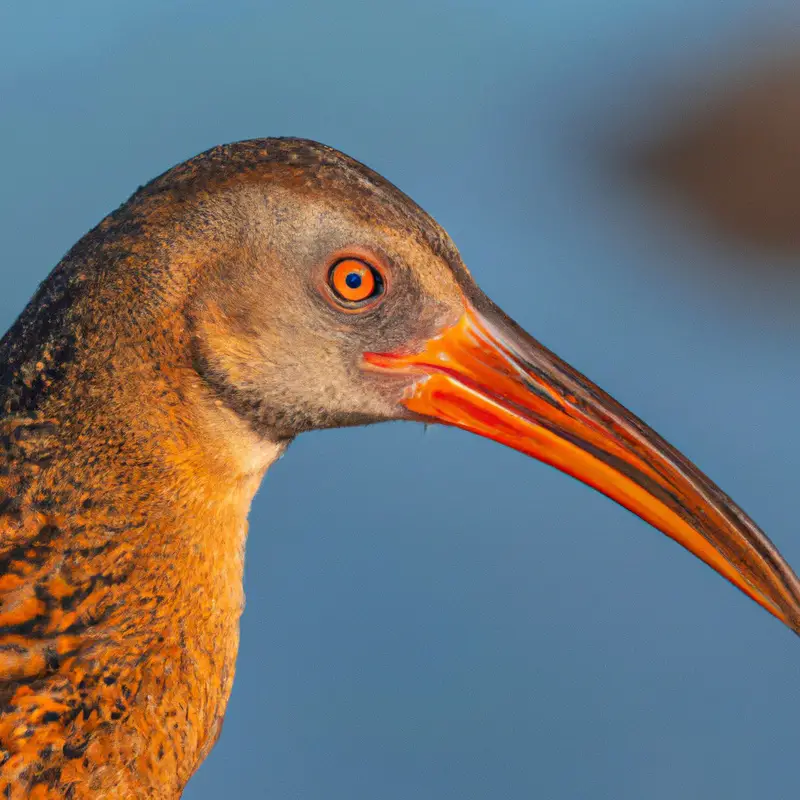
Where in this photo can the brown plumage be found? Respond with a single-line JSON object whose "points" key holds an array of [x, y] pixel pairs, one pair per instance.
{"points": [[161, 368]]}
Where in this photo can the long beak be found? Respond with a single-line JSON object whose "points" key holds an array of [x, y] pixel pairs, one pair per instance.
{"points": [[486, 375]]}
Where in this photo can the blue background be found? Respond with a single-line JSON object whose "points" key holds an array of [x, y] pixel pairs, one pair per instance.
{"points": [[474, 624]]}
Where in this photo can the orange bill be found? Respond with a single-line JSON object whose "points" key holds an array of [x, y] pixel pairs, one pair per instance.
{"points": [[486, 375]]}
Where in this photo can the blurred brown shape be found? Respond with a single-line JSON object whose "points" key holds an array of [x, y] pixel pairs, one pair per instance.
{"points": [[735, 156]]}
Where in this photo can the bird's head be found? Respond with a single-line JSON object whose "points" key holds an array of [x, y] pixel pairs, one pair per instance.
{"points": [[334, 300]]}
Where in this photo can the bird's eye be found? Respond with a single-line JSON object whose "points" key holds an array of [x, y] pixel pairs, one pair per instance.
{"points": [[354, 282]]}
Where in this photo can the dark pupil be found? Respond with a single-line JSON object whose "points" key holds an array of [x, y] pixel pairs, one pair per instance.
{"points": [[353, 280]]}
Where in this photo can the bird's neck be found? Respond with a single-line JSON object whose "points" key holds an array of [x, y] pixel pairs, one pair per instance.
{"points": [[122, 529]]}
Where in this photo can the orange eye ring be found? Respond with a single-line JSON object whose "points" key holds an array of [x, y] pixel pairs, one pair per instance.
{"points": [[354, 281]]}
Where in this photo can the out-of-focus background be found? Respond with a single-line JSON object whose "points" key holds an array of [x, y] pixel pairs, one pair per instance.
{"points": [[622, 177]]}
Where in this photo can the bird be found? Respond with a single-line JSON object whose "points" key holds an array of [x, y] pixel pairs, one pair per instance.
{"points": [[258, 291]]}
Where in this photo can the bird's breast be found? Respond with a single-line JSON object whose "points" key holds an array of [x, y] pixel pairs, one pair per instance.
{"points": [[119, 618]]}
